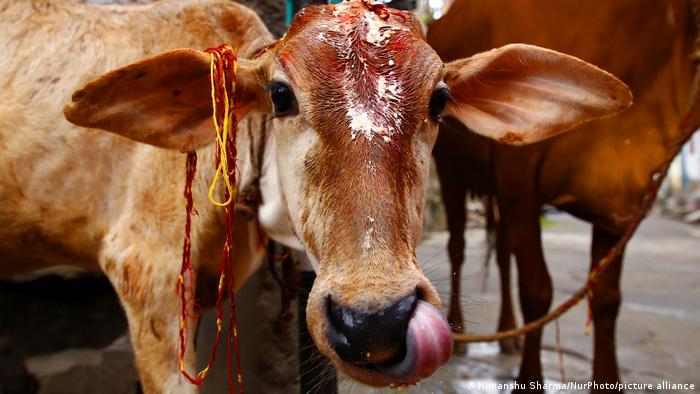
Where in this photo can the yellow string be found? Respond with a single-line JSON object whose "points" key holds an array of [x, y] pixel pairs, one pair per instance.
{"points": [[222, 134], [204, 372]]}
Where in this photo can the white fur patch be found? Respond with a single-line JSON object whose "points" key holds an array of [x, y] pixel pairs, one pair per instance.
{"points": [[272, 212]]}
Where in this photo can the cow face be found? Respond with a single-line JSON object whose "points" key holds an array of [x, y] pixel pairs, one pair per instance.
{"points": [[352, 96], [356, 96]]}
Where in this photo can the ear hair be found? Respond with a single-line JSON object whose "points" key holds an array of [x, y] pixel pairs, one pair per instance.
{"points": [[519, 93], [164, 100]]}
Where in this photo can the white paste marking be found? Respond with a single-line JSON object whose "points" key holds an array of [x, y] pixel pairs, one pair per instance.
{"points": [[381, 86], [378, 30], [369, 235], [383, 117], [360, 122], [371, 167], [394, 88], [374, 36]]}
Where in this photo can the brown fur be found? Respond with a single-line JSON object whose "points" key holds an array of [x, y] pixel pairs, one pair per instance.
{"points": [[345, 198], [598, 172], [79, 197], [393, 162]]}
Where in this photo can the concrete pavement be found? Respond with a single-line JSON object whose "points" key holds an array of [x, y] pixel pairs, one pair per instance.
{"points": [[658, 327]]}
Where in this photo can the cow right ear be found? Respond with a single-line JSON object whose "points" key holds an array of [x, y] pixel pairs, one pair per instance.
{"points": [[519, 94], [164, 100]]}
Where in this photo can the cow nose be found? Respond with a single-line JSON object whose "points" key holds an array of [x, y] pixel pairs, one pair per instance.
{"points": [[370, 337]]}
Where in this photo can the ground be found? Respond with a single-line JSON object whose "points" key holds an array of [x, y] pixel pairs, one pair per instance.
{"points": [[658, 334], [658, 327]]}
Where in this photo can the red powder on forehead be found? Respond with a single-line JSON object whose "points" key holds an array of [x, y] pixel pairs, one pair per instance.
{"points": [[382, 10], [365, 68], [267, 48], [365, 75]]}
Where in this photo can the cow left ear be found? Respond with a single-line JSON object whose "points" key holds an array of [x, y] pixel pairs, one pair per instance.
{"points": [[519, 94], [164, 100]]}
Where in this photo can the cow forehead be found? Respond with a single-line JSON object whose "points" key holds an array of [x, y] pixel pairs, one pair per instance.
{"points": [[371, 71]]}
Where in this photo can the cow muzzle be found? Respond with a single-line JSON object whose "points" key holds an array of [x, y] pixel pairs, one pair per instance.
{"points": [[399, 344]]}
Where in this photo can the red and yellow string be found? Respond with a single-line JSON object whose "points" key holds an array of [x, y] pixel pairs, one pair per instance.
{"points": [[223, 64]]}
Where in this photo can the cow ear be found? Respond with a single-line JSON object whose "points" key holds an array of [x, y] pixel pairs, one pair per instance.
{"points": [[518, 94], [164, 100]]}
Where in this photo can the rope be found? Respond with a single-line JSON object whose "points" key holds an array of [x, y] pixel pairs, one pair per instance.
{"points": [[560, 353], [223, 59], [186, 276], [222, 131]]}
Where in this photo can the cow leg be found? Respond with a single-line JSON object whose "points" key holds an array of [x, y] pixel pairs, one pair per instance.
{"points": [[454, 194], [146, 289], [605, 305], [154, 339], [535, 286], [491, 228], [506, 319]]}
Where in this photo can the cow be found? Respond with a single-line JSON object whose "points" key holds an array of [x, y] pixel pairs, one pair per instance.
{"points": [[599, 172], [337, 122]]}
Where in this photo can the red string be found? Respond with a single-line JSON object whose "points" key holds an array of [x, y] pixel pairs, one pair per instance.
{"points": [[224, 63], [186, 276]]}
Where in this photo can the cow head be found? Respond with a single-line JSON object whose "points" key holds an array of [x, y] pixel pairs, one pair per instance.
{"points": [[357, 95]]}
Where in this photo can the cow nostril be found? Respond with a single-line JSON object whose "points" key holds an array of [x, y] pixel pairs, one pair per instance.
{"points": [[370, 337]]}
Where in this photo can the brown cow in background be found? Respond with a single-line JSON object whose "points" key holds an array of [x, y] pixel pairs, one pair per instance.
{"points": [[598, 173]]}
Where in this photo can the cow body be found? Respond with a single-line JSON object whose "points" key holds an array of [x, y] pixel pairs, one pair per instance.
{"points": [[599, 172], [336, 123], [64, 188], [73, 196]]}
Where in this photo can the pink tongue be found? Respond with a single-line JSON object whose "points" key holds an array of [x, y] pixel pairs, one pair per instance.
{"points": [[428, 346]]}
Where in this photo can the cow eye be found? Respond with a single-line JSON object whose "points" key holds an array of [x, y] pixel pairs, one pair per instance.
{"points": [[437, 103], [282, 98]]}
